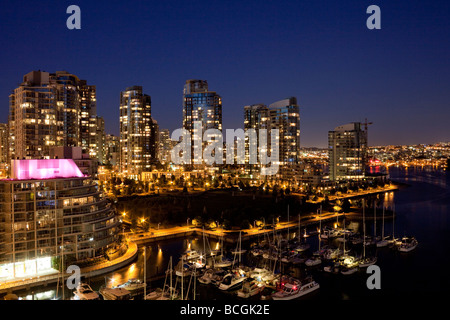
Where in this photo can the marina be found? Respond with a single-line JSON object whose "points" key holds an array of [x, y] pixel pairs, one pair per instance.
{"points": [[259, 266]]}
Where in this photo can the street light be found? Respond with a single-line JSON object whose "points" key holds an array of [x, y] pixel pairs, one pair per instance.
{"points": [[187, 222], [158, 225]]}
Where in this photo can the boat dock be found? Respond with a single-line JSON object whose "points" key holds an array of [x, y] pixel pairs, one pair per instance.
{"points": [[229, 236]]}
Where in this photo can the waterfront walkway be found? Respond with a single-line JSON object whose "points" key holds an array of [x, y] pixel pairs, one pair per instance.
{"points": [[53, 276], [230, 236], [356, 194]]}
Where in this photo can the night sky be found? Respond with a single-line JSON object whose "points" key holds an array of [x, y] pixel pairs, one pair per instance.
{"points": [[249, 52]]}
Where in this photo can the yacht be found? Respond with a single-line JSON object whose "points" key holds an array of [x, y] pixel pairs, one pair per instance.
{"points": [[232, 280], [331, 254], [302, 247], [382, 243], [218, 276], [347, 270], [313, 261], [222, 262], [207, 276], [154, 294], [297, 259], [133, 285], [333, 268], [408, 244], [329, 233], [160, 294], [115, 294], [183, 269], [262, 275], [295, 289], [190, 255], [85, 292], [368, 261], [250, 288], [170, 293]]}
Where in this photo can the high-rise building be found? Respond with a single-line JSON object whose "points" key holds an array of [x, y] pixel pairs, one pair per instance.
{"points": [[4, 142], [166, 145], [154, 142], [112, 151], [284, 115], [256, 117], [88, 114], [68, 97], [347, 150], [135, 131], [50, 109], [97, 139], [49, 209], [202, 105]]}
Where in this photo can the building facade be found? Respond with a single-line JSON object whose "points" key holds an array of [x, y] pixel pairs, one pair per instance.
{"points": [[347, 150], [135, 132], [112, 151], [47, 110], [283, 115], [49, 209], [203, 106]]}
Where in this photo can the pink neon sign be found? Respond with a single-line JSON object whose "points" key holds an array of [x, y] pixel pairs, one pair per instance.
{"points": [[45, 169]]}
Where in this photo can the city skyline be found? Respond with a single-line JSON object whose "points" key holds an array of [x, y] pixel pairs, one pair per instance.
{"points": [[339, 70]]}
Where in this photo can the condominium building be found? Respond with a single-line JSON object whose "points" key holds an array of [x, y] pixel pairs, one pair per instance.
{"points": [[112, 151], [203, 106], [50, 109], [136, 153], [256, 117], [4, 142], [88, 116], [49, 209], [97, 139], [166, 144], [347, 149], [154, 142], [283, 115]]}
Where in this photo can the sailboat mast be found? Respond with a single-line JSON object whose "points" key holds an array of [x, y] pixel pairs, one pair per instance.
{"points": [[374, 220], [364, 228], [320, 226], [382, 230], [62, 269], [182, 279], [145, 273], [393, 222], [288, 222]]}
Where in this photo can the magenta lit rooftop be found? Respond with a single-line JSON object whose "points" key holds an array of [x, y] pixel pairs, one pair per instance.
{"points": [[39, 169]]}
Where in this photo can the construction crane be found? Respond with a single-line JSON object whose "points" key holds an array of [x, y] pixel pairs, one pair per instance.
{"points": [[366, 124]]}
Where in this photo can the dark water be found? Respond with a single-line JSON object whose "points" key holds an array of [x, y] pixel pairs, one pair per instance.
{"points": [[421, 211]]}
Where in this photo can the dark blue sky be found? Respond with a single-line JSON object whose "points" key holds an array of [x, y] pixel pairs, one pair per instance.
{"points": [[250, 52]]}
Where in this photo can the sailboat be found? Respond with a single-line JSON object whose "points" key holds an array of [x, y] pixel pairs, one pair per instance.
{"points": [[237, 276], [408, 244], [220, 261], [250, 288], [295, 289], [394, 242], [315, 259], [383, 242], [365, 262], [301, 246], [168, 292]]}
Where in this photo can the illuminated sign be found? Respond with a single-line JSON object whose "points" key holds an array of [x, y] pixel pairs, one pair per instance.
{"points": [[44, 169]]}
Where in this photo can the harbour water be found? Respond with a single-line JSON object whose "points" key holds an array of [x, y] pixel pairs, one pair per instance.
{"points": [[421, 211]]}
